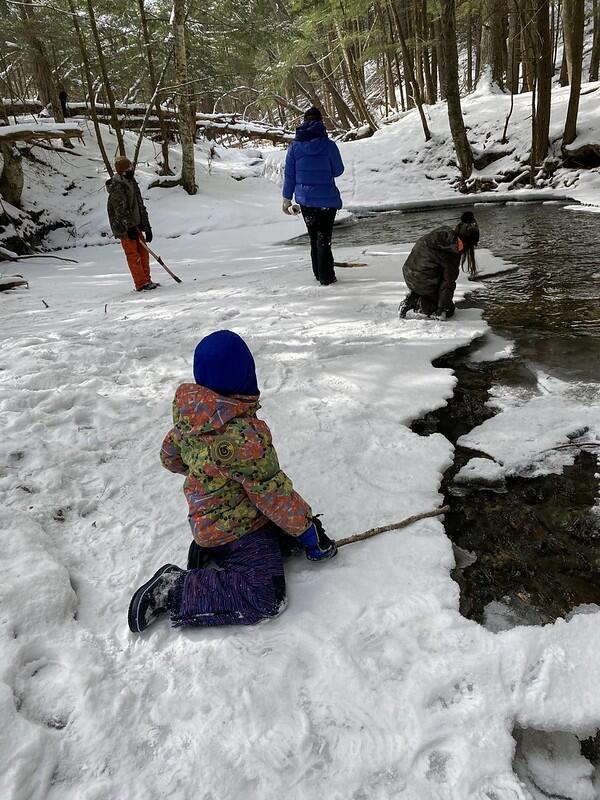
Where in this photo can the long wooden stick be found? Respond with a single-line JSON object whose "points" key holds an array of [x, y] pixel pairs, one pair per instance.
{"points": [[46, 255], [573, 444], [393, 527], [160, 261]]}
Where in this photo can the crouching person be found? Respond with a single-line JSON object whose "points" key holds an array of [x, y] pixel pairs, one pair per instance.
{"points": [[432, 267], [243, 509]]}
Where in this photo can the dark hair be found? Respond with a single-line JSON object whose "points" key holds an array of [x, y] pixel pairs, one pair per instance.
{"points": [[313, 113], [468, 232]]}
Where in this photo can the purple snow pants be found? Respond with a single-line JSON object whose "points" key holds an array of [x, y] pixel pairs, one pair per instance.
{"points": [[246, 587]]}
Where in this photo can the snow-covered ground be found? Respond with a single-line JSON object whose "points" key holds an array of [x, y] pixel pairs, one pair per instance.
{"points": [[535, 432], [371, 685]]}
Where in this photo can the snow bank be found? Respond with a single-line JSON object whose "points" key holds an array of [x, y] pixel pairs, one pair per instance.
{"points": [[529, 434]]}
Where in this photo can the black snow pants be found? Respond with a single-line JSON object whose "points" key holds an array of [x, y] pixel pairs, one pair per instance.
{"points": [[319, 223]]}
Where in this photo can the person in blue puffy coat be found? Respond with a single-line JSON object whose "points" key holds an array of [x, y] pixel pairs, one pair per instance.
{"points": [[312, 163]]}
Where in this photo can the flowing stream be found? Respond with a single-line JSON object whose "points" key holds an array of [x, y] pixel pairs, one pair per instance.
{"points": [[527, 552], [530, 552]]}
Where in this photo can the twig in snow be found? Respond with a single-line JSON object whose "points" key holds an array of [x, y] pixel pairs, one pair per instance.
{"points": [[45, 255], [45, 303], [574, 444], [393, 527]]}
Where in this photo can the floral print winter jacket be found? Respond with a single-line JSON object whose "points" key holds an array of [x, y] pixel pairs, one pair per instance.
{"points": [[234, 484]]}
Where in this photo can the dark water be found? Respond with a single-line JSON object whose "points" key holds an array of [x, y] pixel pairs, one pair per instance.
{"points": [[550, 305], [536, 542]]}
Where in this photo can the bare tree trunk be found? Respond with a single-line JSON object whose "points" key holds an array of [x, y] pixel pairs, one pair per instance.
{"points": [[514, 50], [184, 117], [164, 131], [555, 14], [408, 70], [429, 90], [90, 86], [595, 60], [11, 177], [573, 22], [437, 25], [400, 83], [528, 49], [469, 48], [345, 113], [387, 60], [563, 75], [106, 82], [478, 35], [434, 61], [391, 83], [352, 79], [492, 43], [424, 33], [544, 80], [455, 117]]}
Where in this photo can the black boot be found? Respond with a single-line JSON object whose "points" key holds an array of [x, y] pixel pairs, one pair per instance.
{"points": [[198, 558], [150, 600], [410, 303]]}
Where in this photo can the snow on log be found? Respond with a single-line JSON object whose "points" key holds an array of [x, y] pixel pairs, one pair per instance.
{"points": [[243, 130], [7, 255], [29, 132], [11, 282], [211, 125], [132, 116]]}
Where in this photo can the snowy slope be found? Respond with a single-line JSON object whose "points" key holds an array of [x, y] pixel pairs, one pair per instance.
{"points": [[371, 684], [396, 165]]}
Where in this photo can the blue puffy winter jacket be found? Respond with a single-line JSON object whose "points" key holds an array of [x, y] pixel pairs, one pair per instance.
{"points": [[311, 164]]}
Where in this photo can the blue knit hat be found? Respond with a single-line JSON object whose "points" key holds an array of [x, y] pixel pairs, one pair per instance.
{"points": [[223, 363]]}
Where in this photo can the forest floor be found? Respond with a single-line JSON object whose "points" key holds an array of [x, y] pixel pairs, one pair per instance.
{"points": [[371, 684]]}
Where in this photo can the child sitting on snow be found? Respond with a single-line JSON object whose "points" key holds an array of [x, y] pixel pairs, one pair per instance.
{"points": [[240, 502]]}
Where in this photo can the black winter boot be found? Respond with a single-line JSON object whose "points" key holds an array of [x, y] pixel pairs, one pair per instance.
{"points": [[150, 600], [410, 303]]}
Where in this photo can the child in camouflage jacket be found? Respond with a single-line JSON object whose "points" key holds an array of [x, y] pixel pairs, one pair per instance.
{"points": [[240, 501]]}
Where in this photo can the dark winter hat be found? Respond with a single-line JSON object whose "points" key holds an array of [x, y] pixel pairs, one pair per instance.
{"points": [[313, 113], [122, 164], [468, 229], [223, 363]]}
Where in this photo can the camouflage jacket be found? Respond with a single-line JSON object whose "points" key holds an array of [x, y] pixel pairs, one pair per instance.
{"points": [[432, 267], [125, 206], [234, 484]]}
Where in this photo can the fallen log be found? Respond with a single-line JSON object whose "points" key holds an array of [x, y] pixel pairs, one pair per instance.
{"points": [[11, 282], [35, 132], [132, 116], [244, 131]]}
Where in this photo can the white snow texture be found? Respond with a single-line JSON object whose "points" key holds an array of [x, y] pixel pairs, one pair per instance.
{"points": [[371, 685]]}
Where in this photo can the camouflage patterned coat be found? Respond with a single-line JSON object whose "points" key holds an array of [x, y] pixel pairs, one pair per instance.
{"points": [[432, 267], [125, 206], [234, 484]]}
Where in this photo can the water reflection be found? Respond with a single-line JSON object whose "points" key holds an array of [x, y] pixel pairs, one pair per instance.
{"points": [[550, 306]]}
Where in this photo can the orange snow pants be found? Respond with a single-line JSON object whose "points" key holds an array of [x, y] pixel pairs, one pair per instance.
{"points": [[138, 260]]}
